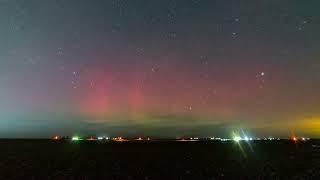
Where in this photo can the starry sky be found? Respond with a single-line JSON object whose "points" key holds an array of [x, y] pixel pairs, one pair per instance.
{"points": [[164, 68]]}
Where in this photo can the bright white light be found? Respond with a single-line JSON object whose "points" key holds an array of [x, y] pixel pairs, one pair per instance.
{"points": [[246, 138], [100, 138], [75, 138], [250, 139], [237, 138]]}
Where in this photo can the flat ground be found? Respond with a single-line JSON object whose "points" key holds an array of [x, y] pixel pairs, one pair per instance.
{"points": [[46, 159]]}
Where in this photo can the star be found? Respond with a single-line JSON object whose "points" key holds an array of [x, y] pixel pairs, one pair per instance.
{"points": [[140, 51], [60, 51], [189, 108], [172, 35]]}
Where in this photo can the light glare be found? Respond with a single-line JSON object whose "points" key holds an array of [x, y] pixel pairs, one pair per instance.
{"points": [[237, 138]]}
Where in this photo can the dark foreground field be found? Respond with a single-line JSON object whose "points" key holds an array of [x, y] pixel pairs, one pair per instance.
{"points": [[45, 159]]}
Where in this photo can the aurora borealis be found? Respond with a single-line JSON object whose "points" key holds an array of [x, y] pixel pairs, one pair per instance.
{"points": [[159, 68]]}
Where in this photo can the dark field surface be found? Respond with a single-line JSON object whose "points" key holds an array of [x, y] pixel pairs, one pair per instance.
{"points": [[45, 159]]}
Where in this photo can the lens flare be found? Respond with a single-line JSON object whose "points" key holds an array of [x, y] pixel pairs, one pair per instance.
{"points": [[237, 138]]}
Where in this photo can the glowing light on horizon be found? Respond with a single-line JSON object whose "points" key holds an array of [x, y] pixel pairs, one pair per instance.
{"points": [[295, 139], [237, 138], [100, 138], [75, 138], [119, 139], [91, 139]]}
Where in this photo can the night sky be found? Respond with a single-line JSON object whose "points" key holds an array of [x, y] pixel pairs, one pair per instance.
{"points": [[164, 68]]}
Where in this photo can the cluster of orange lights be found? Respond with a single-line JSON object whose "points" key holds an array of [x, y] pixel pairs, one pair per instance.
{"points": [[119, 139], [91, 139], [296, 139]]}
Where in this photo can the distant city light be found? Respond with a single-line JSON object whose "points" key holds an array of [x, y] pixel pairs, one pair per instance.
{"points": [[271, 138], [75, 138], [119, 139], [237, 138], [295, 139], [91, 139], [103, 138]]}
